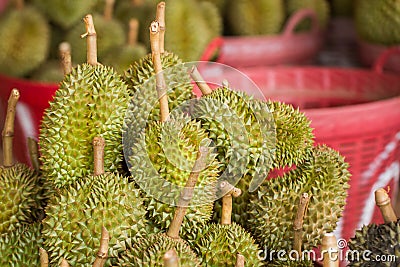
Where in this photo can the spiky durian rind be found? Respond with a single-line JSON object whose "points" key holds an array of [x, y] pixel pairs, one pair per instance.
{"points": [[220, 244], [148, 252], [324, 176], [91, 101], [72, 228], [20, 247], [121, 58]]}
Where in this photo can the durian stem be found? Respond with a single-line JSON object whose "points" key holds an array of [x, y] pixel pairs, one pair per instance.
{"points": [[161, 86], [239, 260], [137, 2], [198, 79], [330, 251], [298, 222], [382, 200], [19, 4], [170, 259], [98, 155], [187, 192], [8, 130], [44, 258], [160, 18], [226, 216], [102, 254], [133, 32], [34, 154], [64, 263], [109, 10], [65, 54], [91, 40]]}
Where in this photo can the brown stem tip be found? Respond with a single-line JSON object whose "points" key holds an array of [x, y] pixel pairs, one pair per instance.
{"points": [[160, 18], [330, 251], [44, 257], [8, 130], [98, 155], [133, 32], [383, 201], [64, 263], [231, 191], [102, 254], [170, 259], [298, 222], [90, 34], [199, 80], [65, 54], [239, 260]]}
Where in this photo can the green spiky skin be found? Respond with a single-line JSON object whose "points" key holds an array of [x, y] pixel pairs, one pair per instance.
{"points": [[172, 156], [324, 176], [91, 101], [25, 40], [321, 8], [21, 198], [379, 240], [189, 27], [378, 21], [50, 72], [123, 57], [259, 17], [221, 243], [65, 13], [20, 247], [72, 228], [149, 251], [110, 35]]}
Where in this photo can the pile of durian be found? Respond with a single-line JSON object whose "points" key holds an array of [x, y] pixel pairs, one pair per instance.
{"points": [[131, 168]]}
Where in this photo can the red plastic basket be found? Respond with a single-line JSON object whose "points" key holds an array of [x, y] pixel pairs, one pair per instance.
{"points": [[287, 48], [368, 54], [355, 111]]}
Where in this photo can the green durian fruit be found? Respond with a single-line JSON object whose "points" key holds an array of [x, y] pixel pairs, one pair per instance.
{"points": [[25, 40], [378, 21], [91, 101], [65, 13], [324, 176], [191, 26], [380, 241], [148, 252], [20, 247], [220, 243], [110, 35], [76, 215], [50, 71], [257, 17], [321, 8], [123, 57]]}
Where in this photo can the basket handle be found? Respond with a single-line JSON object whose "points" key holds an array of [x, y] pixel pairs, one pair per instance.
{"points": [[213, 46], [298, 16], [384, 57]]}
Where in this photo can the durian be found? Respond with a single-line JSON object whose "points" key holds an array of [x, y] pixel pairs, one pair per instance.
{"points": [[25, 40], [21, 199], [321, 8], [76, 215], [378, 21], [109, 31], [324, 175], [257, 17], [122, 57], [220, 243], [90, 101]]}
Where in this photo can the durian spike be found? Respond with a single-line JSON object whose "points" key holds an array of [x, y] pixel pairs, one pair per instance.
{"points": [[161, 86], [225, 83], [187, 192], [44, 257], [239, 260], [171, 259], [33, 149], [8, 130], [98, 157], [91, 40], [64, 263], [382, 200], [133, 32], [19, 4], [160, 18], [109, 10], [330, 251], [199, 80], [65, 55], [226, 213], [102, 254], [298, 222]]}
